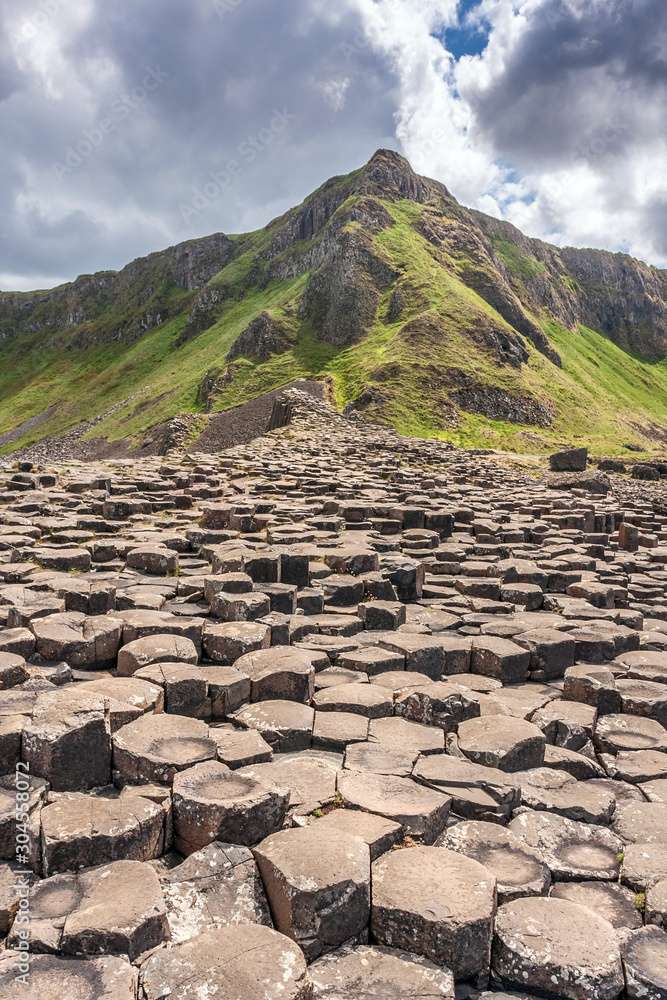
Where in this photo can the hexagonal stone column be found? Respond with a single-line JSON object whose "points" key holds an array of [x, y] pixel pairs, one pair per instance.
{"points": [[372, 971], [421, 811], [502, 742], [645, 961], [318, 885], [78, 831], [155, 649], [53, 978], [67, 742], [212, 802], [252, 962], [557, 948], [156, 747], [219, 886], [115, 909], [436, 903], [517, 870]]}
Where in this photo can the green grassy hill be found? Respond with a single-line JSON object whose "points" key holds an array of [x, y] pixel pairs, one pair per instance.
{"points": [[423, 315]]}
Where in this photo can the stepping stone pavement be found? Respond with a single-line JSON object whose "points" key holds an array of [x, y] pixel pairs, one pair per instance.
{"points": [[332, 714]]}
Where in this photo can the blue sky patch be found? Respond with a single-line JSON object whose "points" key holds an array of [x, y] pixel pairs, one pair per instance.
{"points": [[465, 40]]}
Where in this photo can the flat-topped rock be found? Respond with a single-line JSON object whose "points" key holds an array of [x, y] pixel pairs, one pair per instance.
{"points": [[645, 963], [421, 811], [310, 776], [217, 886], [517, 871], [497, 741], [213, 803], [86, 979], [249, 961], [115, 909], [557, 948], [570, 850], [318, 885], [79, 831], [435, 903], [373, 971], [285, 725]]}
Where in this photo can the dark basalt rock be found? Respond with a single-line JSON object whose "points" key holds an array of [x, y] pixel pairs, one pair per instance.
{"points": [[375, 687], [260, 339], [570, 460], [497, 404], [342, 297]]}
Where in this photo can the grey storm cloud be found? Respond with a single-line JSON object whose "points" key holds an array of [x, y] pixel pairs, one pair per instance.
{"points": [[186, 118], [586, 80], [654, 219], [133, 124]]}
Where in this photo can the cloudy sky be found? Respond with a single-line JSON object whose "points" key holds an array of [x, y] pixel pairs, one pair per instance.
{"points": [[128, 125]]}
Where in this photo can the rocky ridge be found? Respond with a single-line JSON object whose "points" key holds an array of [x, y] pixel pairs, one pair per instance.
{"points": [[380, 281]]}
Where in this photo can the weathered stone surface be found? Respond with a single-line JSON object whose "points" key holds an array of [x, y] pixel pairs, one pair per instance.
{"points": [[379, 833], [557, 948], [213, 803], [435, 903], [253, 962], [82, 642], [285, 725], [12, 670], [621, 733], [641, 822], [285, 674], [23, 821], [376, 972], [359, 699], [155, 748], [655, 911], [79, 831], [218, 886], [117, 909], [102, 978], [310, 775], [645, 963], [496, 741], [400, 734], [155, 649], [68, 741], [643, 865], [613, 902], [381, 759], [127, 698], [318, 886], [517, 871], [240, 747], [421, 811], [571, 850], [551, 790], [477, 792]]}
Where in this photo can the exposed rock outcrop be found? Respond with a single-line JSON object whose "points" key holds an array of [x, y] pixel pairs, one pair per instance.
{"points": [[342, 297], [623, 298], [260, 339], [139, 293]]}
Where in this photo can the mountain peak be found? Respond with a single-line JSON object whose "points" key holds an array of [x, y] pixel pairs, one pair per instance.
{"points": [[389, 174]]}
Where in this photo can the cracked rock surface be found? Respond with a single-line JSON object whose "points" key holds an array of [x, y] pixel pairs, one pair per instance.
{"points": [[332, 715]]}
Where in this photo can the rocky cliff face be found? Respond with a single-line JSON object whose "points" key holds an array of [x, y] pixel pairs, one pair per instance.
{"points": [[624, 298], [420, 310], [112, 305], [518, 276]]}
